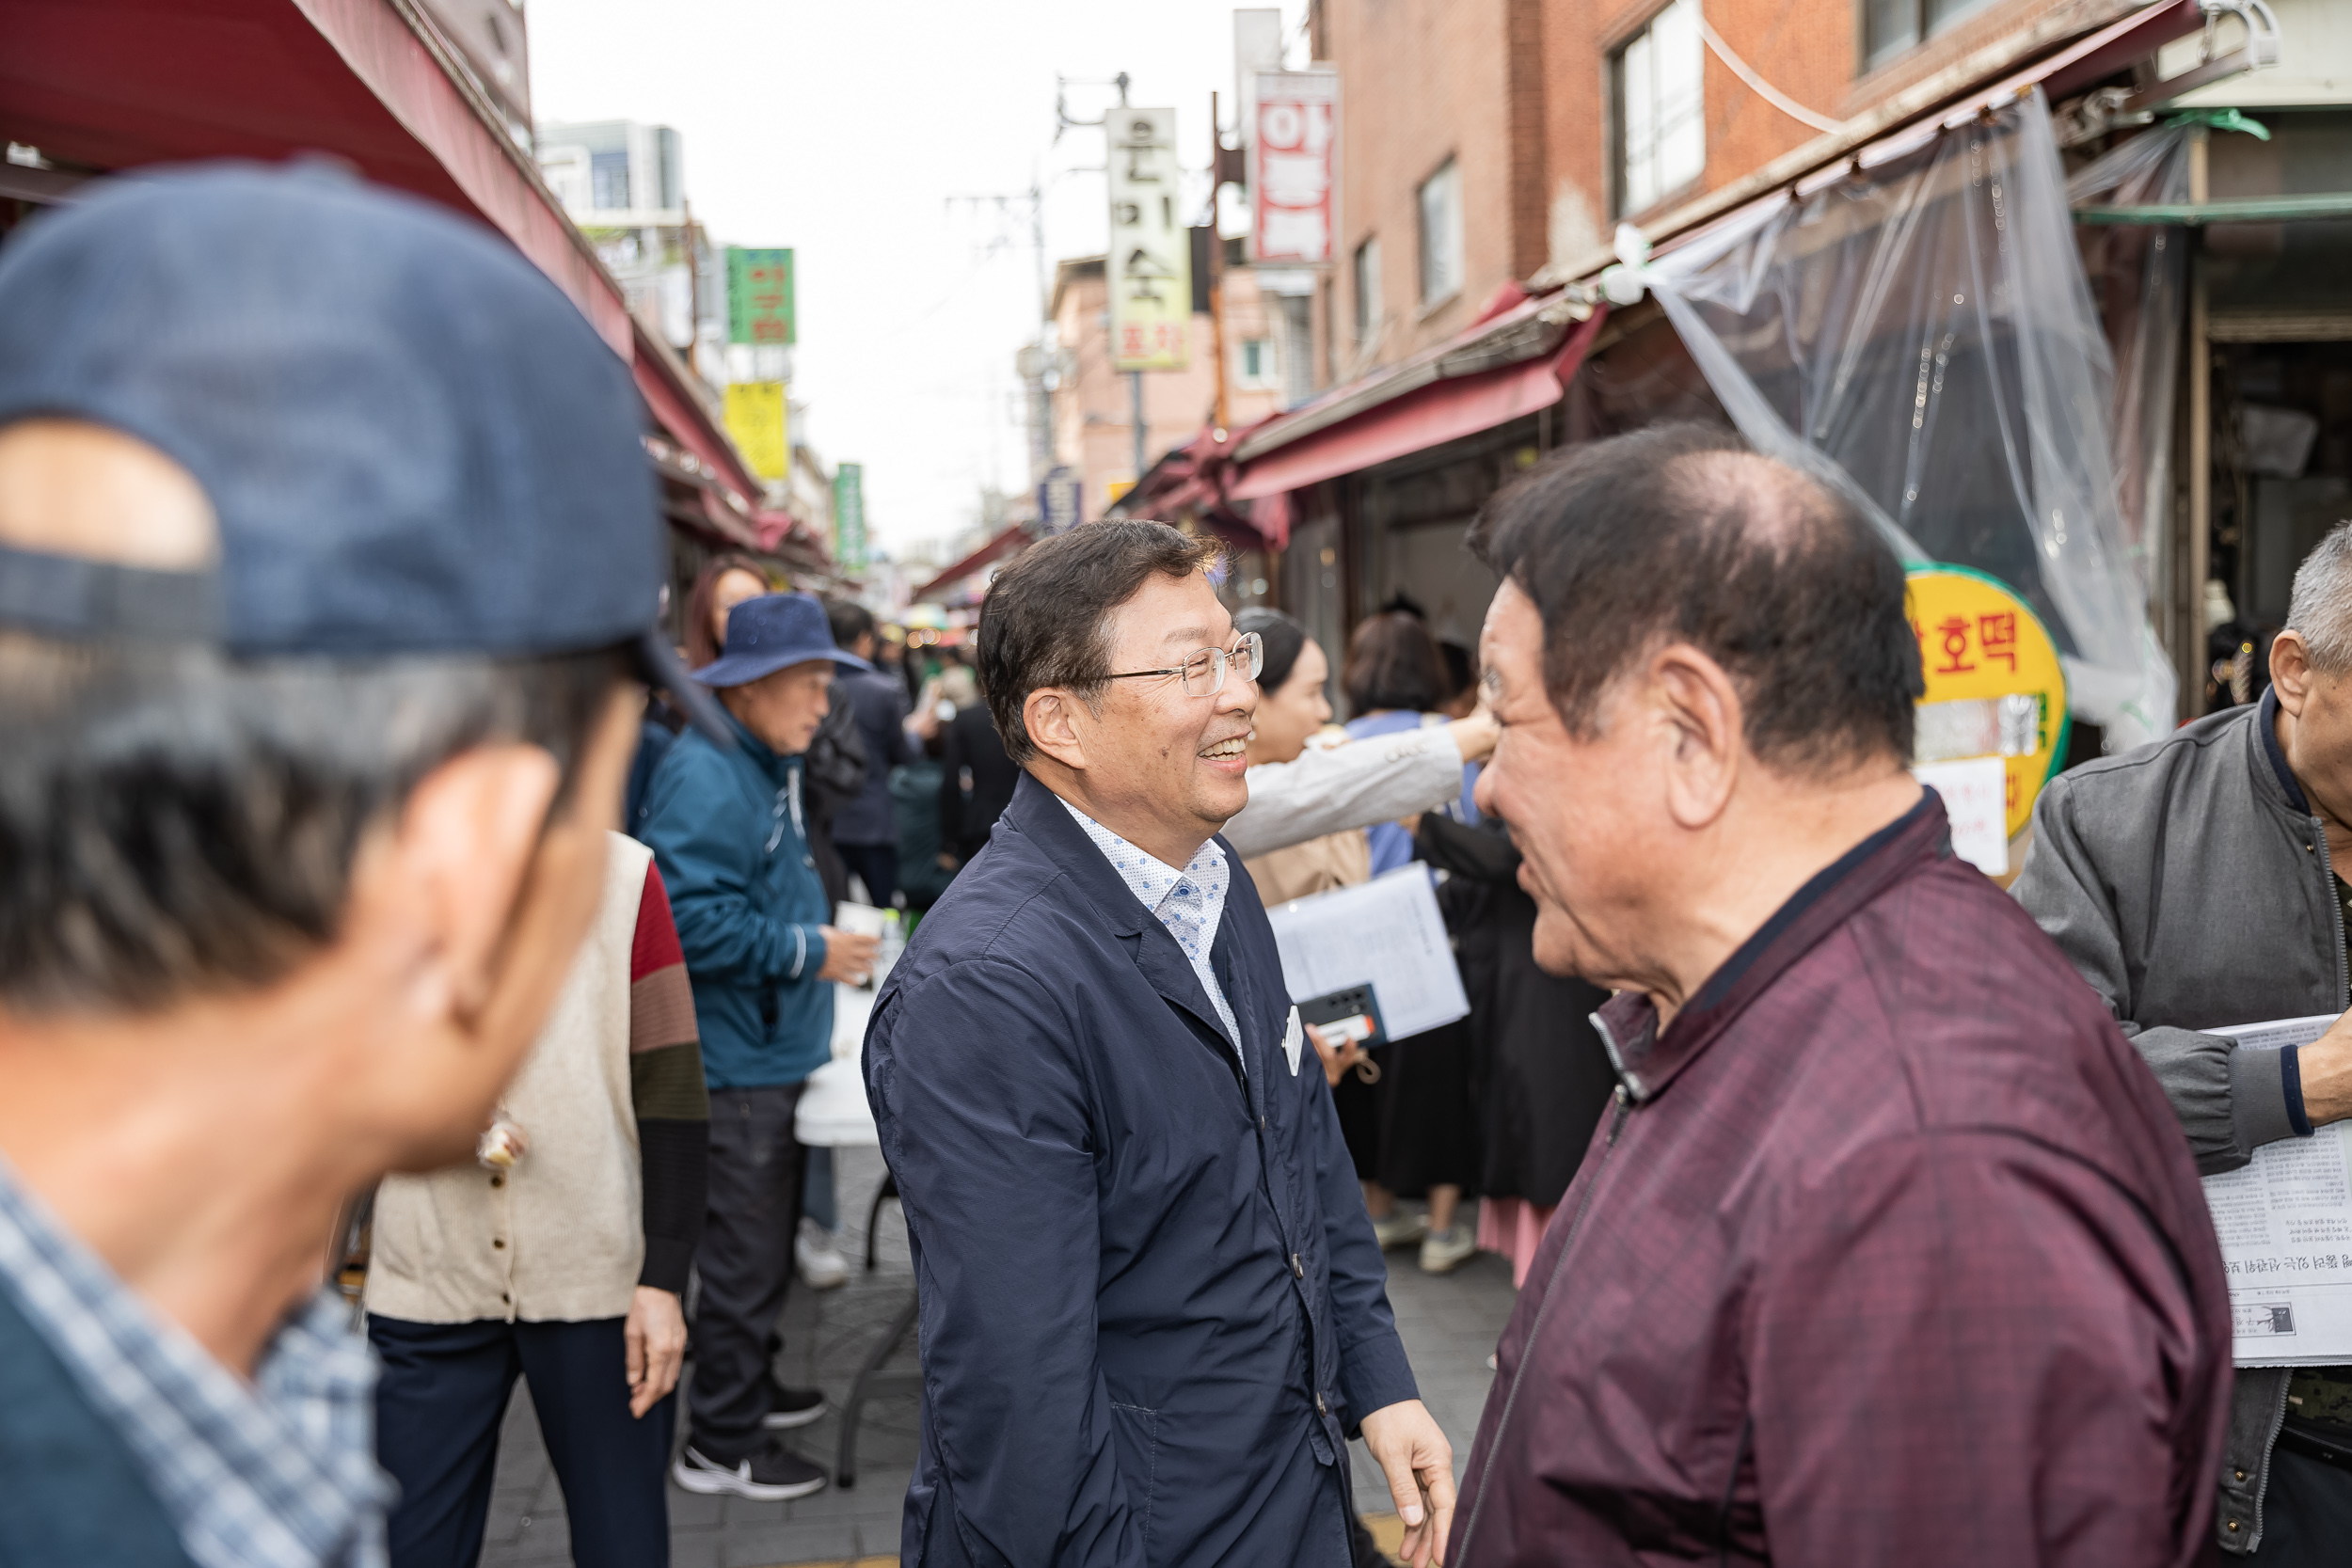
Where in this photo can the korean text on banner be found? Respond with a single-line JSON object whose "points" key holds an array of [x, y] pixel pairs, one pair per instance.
{"points": [[1151, 250], [849, 516], [759, 297], [1386, 932], [757, 420], [2285, 1224], [1293, 146]]}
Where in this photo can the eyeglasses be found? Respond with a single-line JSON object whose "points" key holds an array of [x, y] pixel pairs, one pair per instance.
{"points": [[1203, 673]]}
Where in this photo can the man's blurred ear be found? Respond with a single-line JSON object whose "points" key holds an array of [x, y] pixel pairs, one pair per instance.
{"points": [[2291, 670], [442, 880]]}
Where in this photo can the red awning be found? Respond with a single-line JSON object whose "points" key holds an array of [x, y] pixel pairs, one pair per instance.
{"points": [[1010, 542], [116, 84], [1425, 417]]}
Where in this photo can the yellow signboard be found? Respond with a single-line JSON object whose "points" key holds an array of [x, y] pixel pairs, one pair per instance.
{"points": [[756, 420], [1995, 686]]}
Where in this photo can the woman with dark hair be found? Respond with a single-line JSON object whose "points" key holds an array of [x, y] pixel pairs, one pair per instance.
{"points": [[1395, 680], [1291, 711], [725, 580], [1415, 1132]]}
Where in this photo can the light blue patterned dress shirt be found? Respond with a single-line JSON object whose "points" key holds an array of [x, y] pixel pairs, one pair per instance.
{"points": [[1189, 903], [279, 1473]]}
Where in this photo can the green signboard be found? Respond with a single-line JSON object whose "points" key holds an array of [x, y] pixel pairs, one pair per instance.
{"points": [[849, 516], [759, 297]]}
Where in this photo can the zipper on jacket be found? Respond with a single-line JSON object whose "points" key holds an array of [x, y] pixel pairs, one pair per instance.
{"points": [[2335, 912], [2262, 1476], [1535, 1330]]}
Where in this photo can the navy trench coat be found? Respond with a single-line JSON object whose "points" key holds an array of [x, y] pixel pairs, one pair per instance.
{"points": [[1151, 1304]]}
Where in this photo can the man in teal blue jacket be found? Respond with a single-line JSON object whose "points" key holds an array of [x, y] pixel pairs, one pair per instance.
{"points": [[726, 826]]}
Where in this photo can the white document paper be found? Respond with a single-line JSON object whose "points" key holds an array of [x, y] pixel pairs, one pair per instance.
{"points": [[1386, 933], [2285, 1223], [1976, 799]]}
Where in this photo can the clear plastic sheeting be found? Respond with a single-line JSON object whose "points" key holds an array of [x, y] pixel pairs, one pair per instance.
{"points": [[2142, 271], [1921, 335]]}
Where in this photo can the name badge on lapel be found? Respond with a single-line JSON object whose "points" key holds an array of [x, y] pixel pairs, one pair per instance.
{"points": [[1294, 1037]]}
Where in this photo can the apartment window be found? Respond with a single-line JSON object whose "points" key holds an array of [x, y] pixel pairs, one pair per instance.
{"points": [[1441, 234], [1256, 363], [1891, 26], [1367, 292], [1655, 99], [607, 175]]}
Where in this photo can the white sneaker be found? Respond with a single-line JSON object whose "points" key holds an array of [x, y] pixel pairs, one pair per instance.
{"points": [[1447, 1250], [820, 1257], [1400, 1228]]}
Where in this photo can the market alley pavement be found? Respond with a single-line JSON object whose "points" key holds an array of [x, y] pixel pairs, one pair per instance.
{"points": [[1448, 1324]]}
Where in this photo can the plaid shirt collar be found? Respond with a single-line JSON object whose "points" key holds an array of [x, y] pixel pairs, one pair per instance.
{"points": [[279, 1473]]}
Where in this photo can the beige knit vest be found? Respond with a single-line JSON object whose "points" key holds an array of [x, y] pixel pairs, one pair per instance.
{"points": [[561, 1237]]}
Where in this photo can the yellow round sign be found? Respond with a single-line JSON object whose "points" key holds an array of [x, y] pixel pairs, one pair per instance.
{"points": [[1995, 686]]}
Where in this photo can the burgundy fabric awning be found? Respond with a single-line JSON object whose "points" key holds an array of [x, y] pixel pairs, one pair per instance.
{"points": [[1426, 417], [1010, 542], [117, 83]]}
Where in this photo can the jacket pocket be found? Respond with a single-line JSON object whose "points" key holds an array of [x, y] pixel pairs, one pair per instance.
{"points": [[1137, 1432]]}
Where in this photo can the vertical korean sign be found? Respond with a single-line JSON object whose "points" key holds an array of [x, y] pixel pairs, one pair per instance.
{"points": [[1294, 149], [849, 516], [756, 418], [759, 297], [1151, 251]]}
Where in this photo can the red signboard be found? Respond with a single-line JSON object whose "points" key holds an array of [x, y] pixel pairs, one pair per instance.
{"points": [[1293, 152]]}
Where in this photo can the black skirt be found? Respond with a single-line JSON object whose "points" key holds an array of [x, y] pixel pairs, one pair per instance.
{"points": [[1417, 1128]]}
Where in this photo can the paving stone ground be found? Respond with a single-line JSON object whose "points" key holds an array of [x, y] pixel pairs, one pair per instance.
{"points": [[1449, 1325]]}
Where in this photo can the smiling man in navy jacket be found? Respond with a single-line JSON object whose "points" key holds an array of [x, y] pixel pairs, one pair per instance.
{"points": [[1152, 1305]]}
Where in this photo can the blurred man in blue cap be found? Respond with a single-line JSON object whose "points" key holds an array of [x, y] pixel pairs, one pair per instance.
{"points": [[729, 829], [329, 556]]}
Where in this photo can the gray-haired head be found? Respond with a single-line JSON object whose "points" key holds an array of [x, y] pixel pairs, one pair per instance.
{"points": [[2321, 608]]}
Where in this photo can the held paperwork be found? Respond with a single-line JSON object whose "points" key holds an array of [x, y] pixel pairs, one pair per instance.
{"points": [[2285, 1223], [1386, 932]]}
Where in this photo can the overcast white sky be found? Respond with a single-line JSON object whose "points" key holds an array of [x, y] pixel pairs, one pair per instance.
{"points": [[842, 131]]}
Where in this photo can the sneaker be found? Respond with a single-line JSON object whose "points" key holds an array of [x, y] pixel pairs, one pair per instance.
{"points": [[820, 1257], [1446, 1250], [791, 1407], [1402, 1228], [769, 1475]]}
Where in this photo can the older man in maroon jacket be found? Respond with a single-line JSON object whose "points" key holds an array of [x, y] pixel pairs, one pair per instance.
{"points": [[1891, 1250]]}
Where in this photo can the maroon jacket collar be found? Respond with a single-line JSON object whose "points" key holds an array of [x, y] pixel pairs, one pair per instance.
{"points": [[1647, 1061]]}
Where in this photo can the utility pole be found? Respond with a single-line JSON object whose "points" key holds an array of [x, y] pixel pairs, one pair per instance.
{"points": [[1034, 358], [1217, 271], [1064, 120]]}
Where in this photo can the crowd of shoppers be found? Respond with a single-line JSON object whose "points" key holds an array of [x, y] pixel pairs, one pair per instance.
{"points": [[1889, 1244]]}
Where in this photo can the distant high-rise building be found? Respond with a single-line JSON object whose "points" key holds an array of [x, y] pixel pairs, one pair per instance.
{"points": [[624, 183]]}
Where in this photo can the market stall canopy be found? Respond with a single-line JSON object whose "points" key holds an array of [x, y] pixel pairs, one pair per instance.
{"points": [[1425, 406], [1011, 542], [117, 83]]}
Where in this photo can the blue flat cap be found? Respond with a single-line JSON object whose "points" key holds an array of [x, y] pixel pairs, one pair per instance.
{"points": [[413, 441]]}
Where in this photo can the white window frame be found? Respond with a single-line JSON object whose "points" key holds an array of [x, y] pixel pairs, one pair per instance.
{"points": [[1658, 107], [1439, 232], [1365, 283]]}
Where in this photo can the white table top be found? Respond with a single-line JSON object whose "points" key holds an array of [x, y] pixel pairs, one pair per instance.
{"points": [[833, 1112]]}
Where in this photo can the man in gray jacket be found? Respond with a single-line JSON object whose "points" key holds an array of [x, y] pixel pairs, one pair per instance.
{"points": [[2194, 883]]}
